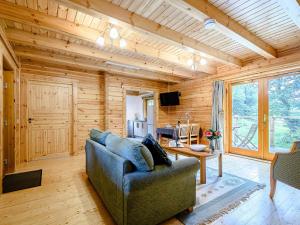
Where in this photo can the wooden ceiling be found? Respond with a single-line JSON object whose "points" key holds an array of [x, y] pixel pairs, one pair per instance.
{"points": [[162, 35]]}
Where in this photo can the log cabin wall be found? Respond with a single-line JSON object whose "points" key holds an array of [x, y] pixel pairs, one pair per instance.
{"points": [[196, 95], [90, 101], [114, 89], [99, 102]]}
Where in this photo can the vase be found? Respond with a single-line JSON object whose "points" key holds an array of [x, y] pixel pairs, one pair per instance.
{"points": [[211, 145]]}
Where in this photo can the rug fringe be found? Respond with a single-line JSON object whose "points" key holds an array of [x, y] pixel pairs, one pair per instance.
{"points": [[232, 206]]}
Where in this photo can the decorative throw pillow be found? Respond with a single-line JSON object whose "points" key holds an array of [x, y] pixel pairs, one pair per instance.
{"points": [[136, 153], [158, 153], [99, 136]]}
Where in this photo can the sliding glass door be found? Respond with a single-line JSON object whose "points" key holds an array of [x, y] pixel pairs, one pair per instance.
{"points": [[264, 116], [245, 108]]}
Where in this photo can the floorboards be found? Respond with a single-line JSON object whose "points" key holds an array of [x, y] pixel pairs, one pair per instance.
{"points": [[67, 197]]}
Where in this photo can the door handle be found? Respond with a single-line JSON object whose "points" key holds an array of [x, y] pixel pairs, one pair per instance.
{"points": [[265, 119], [30, 120]]}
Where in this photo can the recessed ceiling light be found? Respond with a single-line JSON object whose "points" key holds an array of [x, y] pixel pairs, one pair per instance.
{"points": [[203, 62], [100, 41], [209, 23], [123, 43], [114, 34]]}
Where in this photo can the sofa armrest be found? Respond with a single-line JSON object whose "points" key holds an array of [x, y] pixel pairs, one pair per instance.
{"points": [[180, 168]]}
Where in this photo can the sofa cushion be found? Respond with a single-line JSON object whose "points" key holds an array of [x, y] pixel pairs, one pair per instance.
{"points": [[137, 153], [158, 153], [112, 141], [99, 136]]}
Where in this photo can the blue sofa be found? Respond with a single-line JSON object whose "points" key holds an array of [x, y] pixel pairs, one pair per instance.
{"points": [[135, 198]]}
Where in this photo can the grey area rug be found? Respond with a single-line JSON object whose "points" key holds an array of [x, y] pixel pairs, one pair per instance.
{"points": [[218, 196]]}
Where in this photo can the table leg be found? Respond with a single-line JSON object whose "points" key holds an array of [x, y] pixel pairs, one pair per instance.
{"points": [[203, 170], [220, 165], [176, 156]]}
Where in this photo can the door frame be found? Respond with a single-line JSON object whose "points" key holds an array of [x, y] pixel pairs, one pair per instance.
{"points": [[156, 107], [9, 118], [263, 116], [74, 116]]}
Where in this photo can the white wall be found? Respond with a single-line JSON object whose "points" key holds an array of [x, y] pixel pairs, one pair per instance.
{"points": [[134, 104]]}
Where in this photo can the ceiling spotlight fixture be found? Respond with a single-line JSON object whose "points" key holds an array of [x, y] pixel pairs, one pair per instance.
{"points": [[113, 21], [190, 62], [209, 23], [203, 62], [100, 41], [123, 43], [114, 34]]}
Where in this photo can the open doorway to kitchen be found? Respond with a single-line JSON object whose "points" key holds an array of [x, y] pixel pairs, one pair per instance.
{"points": [[140, 113]]}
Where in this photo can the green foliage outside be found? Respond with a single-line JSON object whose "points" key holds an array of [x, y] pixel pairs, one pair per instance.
{"points": [[284, 111]]}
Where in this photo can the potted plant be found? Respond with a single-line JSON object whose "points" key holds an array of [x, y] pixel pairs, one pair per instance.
{"points": [[212, 135]]}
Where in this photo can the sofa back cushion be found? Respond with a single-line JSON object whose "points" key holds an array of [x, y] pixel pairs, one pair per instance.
{"points": [[99, 136], [112, 141], [137, 153]]}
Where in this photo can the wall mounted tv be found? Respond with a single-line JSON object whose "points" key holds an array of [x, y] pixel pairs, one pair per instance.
{"points": [[169, 98]]}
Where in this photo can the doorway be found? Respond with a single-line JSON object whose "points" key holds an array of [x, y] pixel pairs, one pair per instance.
{"points": [[8, 132], [264, 116], [140, 113]]}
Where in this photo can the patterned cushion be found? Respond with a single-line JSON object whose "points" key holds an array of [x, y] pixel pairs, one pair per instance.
{"points": [[158, 153], [99, 136], [135, 152]]}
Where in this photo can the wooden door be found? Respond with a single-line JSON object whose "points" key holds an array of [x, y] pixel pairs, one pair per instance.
{"points": [[264, 116], [49, 119], [246, 124]]}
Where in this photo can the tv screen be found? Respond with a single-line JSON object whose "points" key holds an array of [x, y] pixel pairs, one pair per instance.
{"points": [[169, 98]]}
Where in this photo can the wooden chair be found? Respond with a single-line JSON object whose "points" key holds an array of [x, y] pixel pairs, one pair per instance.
{"points": [[183, 133], [194, 133], [285, 167], [246, 142]]}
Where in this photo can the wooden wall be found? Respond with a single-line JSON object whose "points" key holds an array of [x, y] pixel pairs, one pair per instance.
{"points": [[115, 102], [196, 95], [90, 101], [100, 100], [195, 99]]}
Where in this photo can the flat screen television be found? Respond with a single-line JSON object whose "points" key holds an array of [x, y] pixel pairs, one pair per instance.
{"points": [[169, 98]]}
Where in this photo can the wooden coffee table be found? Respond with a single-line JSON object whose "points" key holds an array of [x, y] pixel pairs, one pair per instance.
{"points": [[202, 156]]}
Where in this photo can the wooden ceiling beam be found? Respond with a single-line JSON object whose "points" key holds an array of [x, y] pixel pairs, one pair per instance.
{"points": [[26, 54], [292, 8], [30, 39], [202, 9], [35, 18], [136, 22]]}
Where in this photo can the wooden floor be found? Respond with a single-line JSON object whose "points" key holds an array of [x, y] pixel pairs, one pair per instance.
{"points": [[66, 197]]}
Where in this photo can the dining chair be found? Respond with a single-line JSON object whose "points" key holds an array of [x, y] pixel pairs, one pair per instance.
{"points": [[183, 133], [194, 133]]}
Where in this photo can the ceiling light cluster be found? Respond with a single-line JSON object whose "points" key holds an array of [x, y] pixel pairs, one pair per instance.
{"points": [[113, 35], [195, 63]]}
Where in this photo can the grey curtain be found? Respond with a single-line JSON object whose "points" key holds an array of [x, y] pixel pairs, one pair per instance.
{"points": [[217, 122]]}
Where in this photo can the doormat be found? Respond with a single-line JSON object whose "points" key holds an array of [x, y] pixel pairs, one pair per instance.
{"points": [[24, 180]]}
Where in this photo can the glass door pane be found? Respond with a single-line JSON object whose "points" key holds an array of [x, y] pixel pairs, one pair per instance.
{"points": [[284, 112], [244, 121]]}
